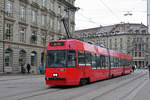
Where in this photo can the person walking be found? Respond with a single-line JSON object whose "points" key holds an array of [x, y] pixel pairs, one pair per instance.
{"points": [[40, 68], [133, 68], [149, 70], [28, 68]]}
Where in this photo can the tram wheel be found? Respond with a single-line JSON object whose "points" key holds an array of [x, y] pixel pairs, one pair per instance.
{"points": [[83, 81]]}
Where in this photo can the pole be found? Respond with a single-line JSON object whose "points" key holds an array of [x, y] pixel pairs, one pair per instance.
{"points": [[44, 61], [109, 63], [148, 28], [148, 16], [4, 38], [66, 28]]}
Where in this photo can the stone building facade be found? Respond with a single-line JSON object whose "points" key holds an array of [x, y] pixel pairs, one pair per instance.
{"points": [[25, 28], [128, 38]]}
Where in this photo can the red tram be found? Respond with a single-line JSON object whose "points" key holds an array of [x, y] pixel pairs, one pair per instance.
{"points": [[73, 62]]}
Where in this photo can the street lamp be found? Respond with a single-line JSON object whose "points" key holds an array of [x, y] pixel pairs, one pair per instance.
{"points": [[44, 51], [128, 13]]}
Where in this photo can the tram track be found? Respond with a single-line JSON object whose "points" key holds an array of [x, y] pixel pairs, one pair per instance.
{"points": [[83, 92], [120, 86], [75, 97], [94, 88]]}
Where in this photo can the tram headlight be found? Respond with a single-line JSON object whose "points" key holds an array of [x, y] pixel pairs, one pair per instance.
{"points": [[55, 74]]}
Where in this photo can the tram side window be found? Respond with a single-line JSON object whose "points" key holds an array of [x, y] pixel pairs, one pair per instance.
{"points": [[124, 62], [81, 58], [88, 58], [93, 61], [116, 62], [98, 61], [127, 63], [107, 61], [112, 61], [121, 62], [103, 61], [71, 58]]}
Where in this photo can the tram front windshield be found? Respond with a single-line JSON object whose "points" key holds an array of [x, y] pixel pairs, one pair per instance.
{"points": [[60, 58]]}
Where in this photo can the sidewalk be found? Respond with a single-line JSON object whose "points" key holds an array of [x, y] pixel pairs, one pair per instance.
{"points": [[19, 74]]}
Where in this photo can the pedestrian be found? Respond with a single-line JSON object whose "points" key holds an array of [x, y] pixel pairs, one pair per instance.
{"points": [[40, 68], [133, 68], [28, 67], [149, 70]]}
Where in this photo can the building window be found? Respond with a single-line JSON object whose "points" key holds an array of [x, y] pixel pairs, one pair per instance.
{"points": [[139, 54], [110, 43], [135, 47], [43, 38], [59, 10], [34, 1], [9, 8], [22, 35], [147, 43], [43, 20], [22, 13], [8, 31], [34, 17], [43, 3], [135, 54], [34, 37], [50, 22], [22, 58], [59, 26], [115, 44], [121, 43], [8, 57], [136, 31], [52, 5], [140, 47], [33, 58], [143, 31]]}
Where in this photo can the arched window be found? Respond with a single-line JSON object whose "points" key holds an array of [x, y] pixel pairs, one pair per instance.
{"points": [[143, 31], [22, 57], [33, 58], [8, 57]]}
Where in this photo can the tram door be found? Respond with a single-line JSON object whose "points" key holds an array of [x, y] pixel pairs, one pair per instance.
{"points": [[81, 63]]}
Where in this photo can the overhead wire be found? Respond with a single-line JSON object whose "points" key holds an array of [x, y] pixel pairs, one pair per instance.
{"points": [[88, 19], [109, 9]]}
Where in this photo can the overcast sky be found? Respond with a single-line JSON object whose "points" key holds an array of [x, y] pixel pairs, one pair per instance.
{"points": [[94, 13]]}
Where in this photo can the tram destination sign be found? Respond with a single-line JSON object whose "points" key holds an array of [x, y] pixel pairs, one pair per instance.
{"points": [[56, 43]]}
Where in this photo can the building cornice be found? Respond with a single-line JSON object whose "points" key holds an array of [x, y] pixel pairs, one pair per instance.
{"points": [[25, 1], [23, 23], [34, 26], [10, 19], [24, 44]]}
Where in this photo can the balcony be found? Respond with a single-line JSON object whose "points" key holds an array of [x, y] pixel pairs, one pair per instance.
{"points": [[69, 5], [51, 12], [43, 8], [35, 4]]}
